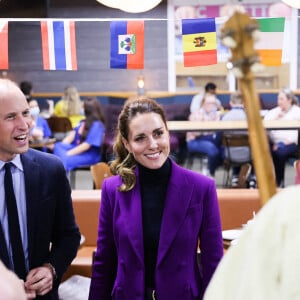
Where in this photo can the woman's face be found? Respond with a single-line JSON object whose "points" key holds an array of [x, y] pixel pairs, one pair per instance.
{"points": [[148, 140], [283, 102]]}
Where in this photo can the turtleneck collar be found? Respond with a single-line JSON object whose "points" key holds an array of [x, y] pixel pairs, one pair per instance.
{"points": [[154, 176]]}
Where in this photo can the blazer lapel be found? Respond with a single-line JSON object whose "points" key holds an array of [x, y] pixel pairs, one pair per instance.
{"points": [[177, 202], [32, 187], [131, 210]]}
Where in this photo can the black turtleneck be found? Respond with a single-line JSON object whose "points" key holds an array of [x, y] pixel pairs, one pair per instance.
{"points": [[154, 185]]}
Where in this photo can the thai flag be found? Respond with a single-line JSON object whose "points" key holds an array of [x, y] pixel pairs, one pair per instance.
{"points": [[3, 45], [59, 45], [127, 44]]}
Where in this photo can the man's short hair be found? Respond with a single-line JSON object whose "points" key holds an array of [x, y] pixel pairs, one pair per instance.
{"points": [[210, 86]]}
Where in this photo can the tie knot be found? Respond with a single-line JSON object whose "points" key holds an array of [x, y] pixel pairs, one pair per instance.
{"points": [[8, 166]]}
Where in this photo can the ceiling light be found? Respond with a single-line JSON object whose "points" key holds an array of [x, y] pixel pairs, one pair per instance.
{"points": [[131, 6]]}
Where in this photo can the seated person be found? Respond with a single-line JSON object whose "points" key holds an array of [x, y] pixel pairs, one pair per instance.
{"points": [[206, 142], [82, 146], [70, 106], [40, 128], [284, 143], [211, 88], [239, 154]]}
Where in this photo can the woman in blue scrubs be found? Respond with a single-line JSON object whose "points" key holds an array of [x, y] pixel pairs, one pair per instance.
{"points": [[83, 145]]}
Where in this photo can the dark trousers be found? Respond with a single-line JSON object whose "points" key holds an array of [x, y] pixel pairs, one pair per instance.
{"points": [[280, 156]]}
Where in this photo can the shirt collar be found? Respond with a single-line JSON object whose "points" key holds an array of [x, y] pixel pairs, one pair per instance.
{"points": [[16, 161]]}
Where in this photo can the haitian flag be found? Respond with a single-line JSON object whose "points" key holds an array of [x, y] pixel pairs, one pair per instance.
{"points": [[199, 40], [127, 44], [3, 45], [59, 45]]}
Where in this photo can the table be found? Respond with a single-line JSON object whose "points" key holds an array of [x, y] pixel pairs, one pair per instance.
{"points": [[42, 143], [229, 125]]}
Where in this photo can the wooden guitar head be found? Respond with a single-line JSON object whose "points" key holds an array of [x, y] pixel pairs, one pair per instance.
{"points": [[239, 34]]}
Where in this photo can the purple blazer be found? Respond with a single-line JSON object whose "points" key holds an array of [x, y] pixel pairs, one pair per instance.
{"points": [[191, 213]]}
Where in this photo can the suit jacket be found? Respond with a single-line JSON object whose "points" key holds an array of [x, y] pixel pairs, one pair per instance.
{"points": [[191, 213], [53, 235]]}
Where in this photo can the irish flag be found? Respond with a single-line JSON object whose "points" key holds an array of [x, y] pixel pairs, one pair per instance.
{"points": [[127, 44], [3, 45], [199, 39], [270, 43]]}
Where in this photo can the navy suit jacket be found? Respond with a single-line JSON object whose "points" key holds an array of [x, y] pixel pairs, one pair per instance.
{"points": [[53, 235], [191, 213]]}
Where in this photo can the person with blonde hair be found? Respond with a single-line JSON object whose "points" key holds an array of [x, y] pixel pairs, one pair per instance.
{"points": [[70, 106]]}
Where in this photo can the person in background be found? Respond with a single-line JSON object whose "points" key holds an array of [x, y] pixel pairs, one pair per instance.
{"points": [[11, 287], [48, 235], [240, 154], [210, 88], [206, 142], [40, 128], [70, 106], [26, 88], [284, 143], [82, 146], [153, 215]]}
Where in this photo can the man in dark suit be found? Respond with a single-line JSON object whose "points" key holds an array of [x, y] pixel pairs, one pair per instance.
{"points": [[48, 232]]}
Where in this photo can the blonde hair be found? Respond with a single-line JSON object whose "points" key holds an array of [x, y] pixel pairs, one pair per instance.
{"points": [[72, 103], [236, 97]]}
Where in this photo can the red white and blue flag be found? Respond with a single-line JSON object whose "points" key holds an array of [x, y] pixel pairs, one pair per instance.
{"points": [[127, 45], [3, 45], [59, 45]]}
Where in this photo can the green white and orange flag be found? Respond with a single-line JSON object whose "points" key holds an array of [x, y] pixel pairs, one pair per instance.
{"points": [[3, 45], [199, 40], [270, 43]]}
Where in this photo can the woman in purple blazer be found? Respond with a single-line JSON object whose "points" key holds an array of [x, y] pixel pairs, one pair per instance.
{"points": [[153, 216]]}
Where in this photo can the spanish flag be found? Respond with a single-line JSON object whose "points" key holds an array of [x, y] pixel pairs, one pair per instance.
{"points": [[270, 43], [3, 45], [127, 45], [199, 39]]}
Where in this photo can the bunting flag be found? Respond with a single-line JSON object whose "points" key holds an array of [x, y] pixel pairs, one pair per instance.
{"points": [[3, 45], [127, 44], [270, 43], [199, 40], [59, 45]]}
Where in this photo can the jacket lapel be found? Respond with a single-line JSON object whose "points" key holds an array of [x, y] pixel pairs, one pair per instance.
{"points": [[131, 208], [32, 187], [177, 202]]}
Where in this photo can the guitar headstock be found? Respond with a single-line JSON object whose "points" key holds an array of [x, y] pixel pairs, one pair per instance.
{"points": [[239, 33]]}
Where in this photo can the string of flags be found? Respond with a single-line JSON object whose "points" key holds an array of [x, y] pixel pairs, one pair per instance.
{"points": [[199, 42]]}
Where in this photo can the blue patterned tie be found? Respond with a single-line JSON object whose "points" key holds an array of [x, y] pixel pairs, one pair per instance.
{"points": [[14, 225]]}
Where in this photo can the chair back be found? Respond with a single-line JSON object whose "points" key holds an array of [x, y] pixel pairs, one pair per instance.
{"points": [[297, 169], [100, 171], [237, 153], [59, 126], [233, 140]]}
